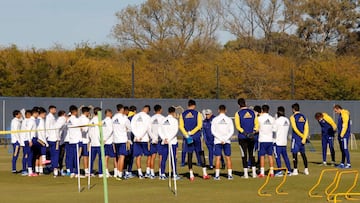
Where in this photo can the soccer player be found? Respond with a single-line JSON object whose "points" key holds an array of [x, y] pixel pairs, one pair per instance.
{"points": [[84, 148], [94, 135], [190, 124], [108, 139], [257, 110], [75, 138], [300, 132], [121, 125], [52, 139], [281, 129], [34, 151], [343, 126], [41, 140], [60, 134], [266, 127], [15, 137], [328, 128], [156, 121], [209, 138], [167, 131], [129, 158], [24, 142], [141, 127], [222, 128], [246, 123]]}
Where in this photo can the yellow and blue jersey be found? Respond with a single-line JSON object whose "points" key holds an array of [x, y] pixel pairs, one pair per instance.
{"points": [[343, 124], [246, 122], [190, 121], [300, 127], [328, 126]]}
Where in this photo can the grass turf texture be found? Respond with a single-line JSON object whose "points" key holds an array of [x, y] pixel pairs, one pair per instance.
{"points": [[15, 188]]}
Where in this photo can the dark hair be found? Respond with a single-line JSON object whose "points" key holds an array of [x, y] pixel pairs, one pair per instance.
{"points": [[85, 109], [265, 108], [52, 107], [132, 108], [28, 112], [107, 111], [157, 108], [280, 111], [73, 108], [42, 110], [96, 110], [35, 109], [191, 102], [126, 108], [222, 107], [61, 113], [318, 115], [147, 106], [257, 108], [171, 109], [119, 107], [296, 107], [337, 106], [241, 102], [15, 113]]}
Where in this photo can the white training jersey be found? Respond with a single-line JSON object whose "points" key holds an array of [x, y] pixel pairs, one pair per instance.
{"points": [[61, 129], [51, 131], [15, 126], [222, 127], [74, 131], [168, 129], [94, 133], [281, 128], [84, 129], [141, 126], [41, 134], [108, 130], [266, 127], [121, 127], [32, 126], [156, 121], [25, 135]]}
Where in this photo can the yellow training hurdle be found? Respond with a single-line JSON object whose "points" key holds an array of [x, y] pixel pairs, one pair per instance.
{"points": [[319, 181], [277, 188], [346, 196], [331, 193]]}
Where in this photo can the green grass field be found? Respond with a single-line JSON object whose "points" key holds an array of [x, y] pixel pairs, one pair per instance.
{"points": [[15, 188]]}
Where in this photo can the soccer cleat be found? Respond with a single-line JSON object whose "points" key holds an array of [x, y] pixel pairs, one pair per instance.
{"points": [[206, 177], [141, 177], [101, 175], [271, 175], [217, 178], [254, 175], [332, 163], [306, 171], [163, 177], [192, 178], [72, 175], [177, 177], [24, 173], [348, 166], [147, 175], [33, 175], [245, 176], [211, 167], [289, 173], [230, 177], [14, 171], [46, 162], [279, 174], [341, 165], [130, 175], [295, 172], [261, 175], [152, 177]]}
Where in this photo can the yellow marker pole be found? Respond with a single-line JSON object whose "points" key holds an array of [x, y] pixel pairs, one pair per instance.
{"points": [[106, 198]]}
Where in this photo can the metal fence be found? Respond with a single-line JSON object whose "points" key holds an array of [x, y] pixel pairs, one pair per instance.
{"points": [[307, 107]]}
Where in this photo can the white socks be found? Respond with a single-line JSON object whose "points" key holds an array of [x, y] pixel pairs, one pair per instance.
{"points": [[262, 171], [152, 172], [217, 172], [230, 172], [204, 171], [191, 173]]}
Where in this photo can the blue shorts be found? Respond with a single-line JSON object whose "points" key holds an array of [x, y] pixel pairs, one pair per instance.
{"points": [[141, 148], [84, 149], [297, 146], [154, 149], [222, 147], [266, 148], [109, 150], [195, 146], [120, 149]]}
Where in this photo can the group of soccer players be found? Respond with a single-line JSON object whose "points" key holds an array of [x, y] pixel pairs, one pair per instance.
{"points": [[129, 135]]}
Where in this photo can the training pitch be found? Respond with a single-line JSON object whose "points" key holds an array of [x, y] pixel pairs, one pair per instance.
{"points": [[16, 188]]}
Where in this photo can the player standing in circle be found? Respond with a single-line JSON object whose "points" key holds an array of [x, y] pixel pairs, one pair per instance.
{"points": [[300, 132], [328, 128], [190, 124], [246, 123], [15, 138], [344, 131], [222, 128]]}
